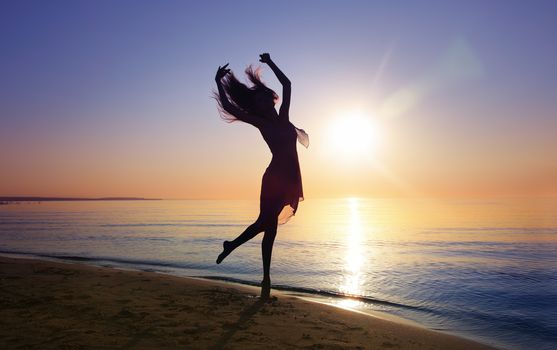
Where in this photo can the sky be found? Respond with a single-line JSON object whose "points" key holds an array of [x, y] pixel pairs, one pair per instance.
{"points": [[104, 98]]}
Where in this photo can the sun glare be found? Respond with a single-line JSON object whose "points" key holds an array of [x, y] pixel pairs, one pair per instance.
{"points": [[354, 134]]}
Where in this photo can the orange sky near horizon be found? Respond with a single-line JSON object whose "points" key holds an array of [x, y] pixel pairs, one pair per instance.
{"points": [[408, 162]]}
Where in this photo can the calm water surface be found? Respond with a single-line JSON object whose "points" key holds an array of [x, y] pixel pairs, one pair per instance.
{"points": [[484, 269]]}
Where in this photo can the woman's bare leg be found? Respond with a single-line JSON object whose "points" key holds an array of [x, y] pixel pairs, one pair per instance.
{"points": [[250, 232], [266, 252], [268, 222]]}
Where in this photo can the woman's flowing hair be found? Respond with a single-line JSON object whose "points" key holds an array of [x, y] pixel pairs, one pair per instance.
{"points": [[242, 96]]}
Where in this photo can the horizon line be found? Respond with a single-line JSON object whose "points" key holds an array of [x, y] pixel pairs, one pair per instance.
{"points": [[124, 198]]}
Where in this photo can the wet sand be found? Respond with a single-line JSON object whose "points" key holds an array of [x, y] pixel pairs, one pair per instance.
{"points": [[51, 305]]}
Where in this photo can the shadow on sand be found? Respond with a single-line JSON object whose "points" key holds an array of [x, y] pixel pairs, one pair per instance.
{"points": [[245, 316]]}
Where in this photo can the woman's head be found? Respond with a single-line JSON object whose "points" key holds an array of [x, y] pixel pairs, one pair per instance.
{"points": [[257, 99]]}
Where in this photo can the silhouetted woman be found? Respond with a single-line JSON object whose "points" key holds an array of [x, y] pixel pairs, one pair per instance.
{"points": [[281, 187]]}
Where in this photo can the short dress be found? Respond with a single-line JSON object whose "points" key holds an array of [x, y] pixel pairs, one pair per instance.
{"points": [[282, 180]]}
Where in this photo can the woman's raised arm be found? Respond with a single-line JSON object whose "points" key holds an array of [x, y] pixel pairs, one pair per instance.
{"points": [[286, 85]]}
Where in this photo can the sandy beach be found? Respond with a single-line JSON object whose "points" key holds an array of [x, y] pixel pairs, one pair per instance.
{"points": [[51, 305]]}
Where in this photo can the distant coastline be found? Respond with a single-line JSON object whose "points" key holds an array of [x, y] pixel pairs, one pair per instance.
{"points": [[7, 200]]}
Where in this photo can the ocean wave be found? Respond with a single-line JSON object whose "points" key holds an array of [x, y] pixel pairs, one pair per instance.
{"points": [[102, 259], [323, 293]]}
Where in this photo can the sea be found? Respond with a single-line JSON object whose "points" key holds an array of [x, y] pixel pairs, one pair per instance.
{"points": [[483, 269]]}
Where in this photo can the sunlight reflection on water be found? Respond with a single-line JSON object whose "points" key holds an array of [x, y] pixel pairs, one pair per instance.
{"points": [[354, 259]]}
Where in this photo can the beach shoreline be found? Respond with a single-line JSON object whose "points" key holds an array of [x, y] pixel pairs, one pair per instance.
{"points": [[47, 304]]}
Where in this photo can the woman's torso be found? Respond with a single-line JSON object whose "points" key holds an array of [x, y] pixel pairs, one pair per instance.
{"points": [[281, 138]]}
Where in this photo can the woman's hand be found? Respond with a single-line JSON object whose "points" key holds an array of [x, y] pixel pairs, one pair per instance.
{"points": [[265, 58], [222, 72]]}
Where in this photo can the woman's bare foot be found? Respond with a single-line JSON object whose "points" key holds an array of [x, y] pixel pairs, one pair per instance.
{"points": [[226, 249], [265, 289]]}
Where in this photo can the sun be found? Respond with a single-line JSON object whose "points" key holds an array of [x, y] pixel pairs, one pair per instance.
{"points": [[354, 134]]}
